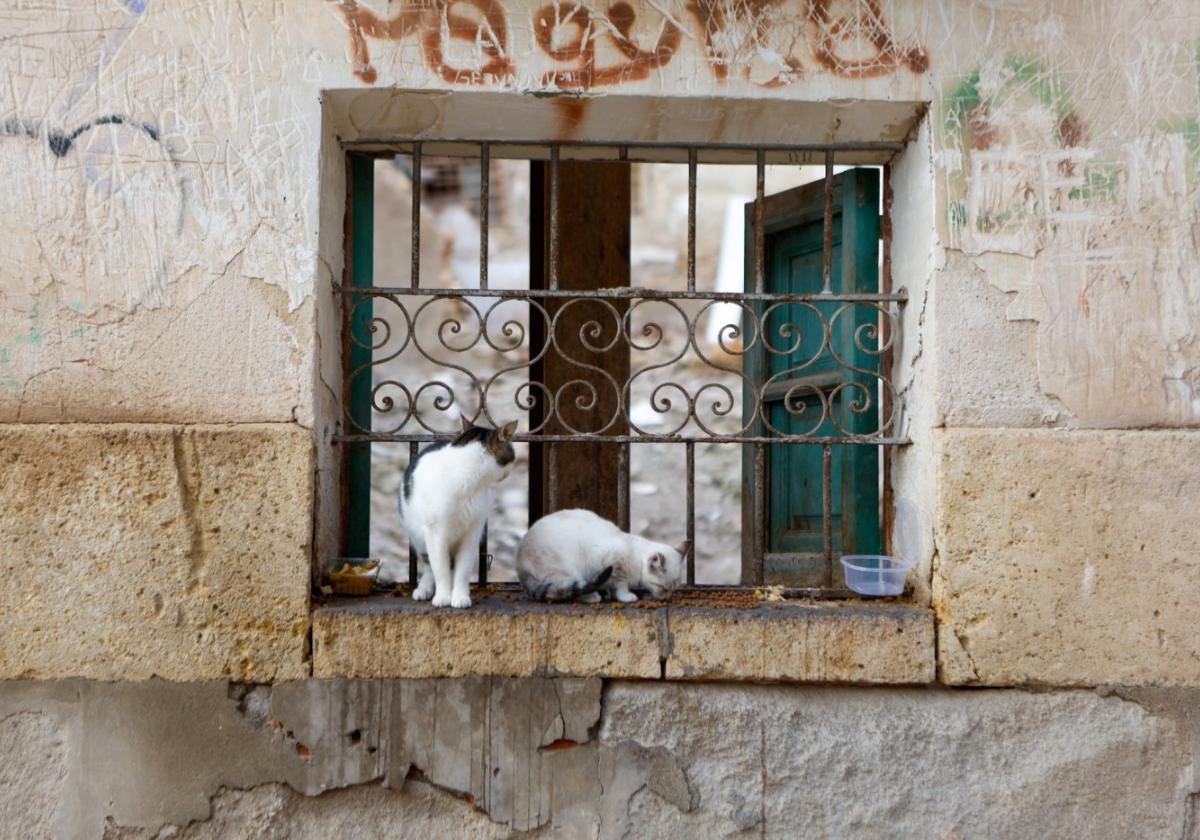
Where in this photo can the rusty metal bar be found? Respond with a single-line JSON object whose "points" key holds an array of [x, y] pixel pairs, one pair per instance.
{"points": [[412, 552], [827, 232], [415, 280], [483, 555], [485, 172], [795, 148], [553, 217], [584, 437], [690, 448], [883, 302], [760, 513], [827, 510], [691, 229], [886, 497], [619, 293], [623, 486], [760, 169]]}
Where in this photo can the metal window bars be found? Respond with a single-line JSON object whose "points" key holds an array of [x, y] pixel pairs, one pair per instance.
{"points": [[403, 319]]}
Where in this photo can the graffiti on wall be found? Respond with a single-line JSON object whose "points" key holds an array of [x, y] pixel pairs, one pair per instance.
{"points": [[116, 184], [767, 42], [1105, 234], [574, 37]]}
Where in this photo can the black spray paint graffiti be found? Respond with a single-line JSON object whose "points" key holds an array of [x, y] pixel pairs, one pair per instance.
{"points": [[60, 141], [126, 190]]}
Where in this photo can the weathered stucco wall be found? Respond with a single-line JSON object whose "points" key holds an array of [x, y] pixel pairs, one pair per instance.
{"points": [[586, 761], [169, 377], [145, 208]]}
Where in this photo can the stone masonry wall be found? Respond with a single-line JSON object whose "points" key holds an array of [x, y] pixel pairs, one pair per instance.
{"points": [[171, 244]]}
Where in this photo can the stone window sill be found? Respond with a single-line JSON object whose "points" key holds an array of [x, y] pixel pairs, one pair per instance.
{"points": [[789, 641]]}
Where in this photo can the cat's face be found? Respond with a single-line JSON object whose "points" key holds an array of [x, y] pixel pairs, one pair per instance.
{"points": [[498, 443], [665, 569]]}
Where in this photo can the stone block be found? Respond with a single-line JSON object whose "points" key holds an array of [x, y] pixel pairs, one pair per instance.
{"points": [[1068, 558], [853, 643], [128, 551], [397, 637]]}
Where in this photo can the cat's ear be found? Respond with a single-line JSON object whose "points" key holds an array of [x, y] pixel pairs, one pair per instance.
{"points": [[507, 431], [684, 548], [658, 563], [466, 422]]}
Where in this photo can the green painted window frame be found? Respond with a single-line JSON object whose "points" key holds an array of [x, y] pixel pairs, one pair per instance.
{"points": [[359, 273]]}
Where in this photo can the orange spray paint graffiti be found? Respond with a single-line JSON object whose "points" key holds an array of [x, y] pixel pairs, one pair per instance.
{"points": [[596, 45], [481, 23], [579, 35]]}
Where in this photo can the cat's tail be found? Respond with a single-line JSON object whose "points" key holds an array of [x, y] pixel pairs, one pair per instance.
{"points": [[552, 590]]}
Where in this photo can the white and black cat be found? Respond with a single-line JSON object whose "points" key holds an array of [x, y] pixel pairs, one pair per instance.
{"points": [[444, 505], [577, 554]]}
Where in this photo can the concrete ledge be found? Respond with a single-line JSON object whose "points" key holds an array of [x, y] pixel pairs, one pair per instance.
{"points": [[389, 636], [849, 642], [394, 637]]}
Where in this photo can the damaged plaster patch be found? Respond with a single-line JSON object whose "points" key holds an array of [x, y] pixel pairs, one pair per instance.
{"points": [[33, 774], [992, 377], [522, 751], [1091, 235], [227, 759], [368, 810], [842, 762], [290, 267], [156, 760]]}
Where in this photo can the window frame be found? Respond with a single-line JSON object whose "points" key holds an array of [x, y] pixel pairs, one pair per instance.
{"points": [[359, 207]]}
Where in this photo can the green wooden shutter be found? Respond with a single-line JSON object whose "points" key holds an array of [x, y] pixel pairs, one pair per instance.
{"points": [[794, 252]]}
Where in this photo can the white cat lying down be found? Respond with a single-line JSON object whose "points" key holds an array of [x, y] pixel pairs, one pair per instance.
{"points": [[577, 554]]}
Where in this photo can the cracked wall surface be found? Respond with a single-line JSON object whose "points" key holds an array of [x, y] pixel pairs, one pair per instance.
{"points": [[144, 208], [579, 758]]}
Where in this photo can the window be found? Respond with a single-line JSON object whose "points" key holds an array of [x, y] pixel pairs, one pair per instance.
{"points": [[762, 400]]}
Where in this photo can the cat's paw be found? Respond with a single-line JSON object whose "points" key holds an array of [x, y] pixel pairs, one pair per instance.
{"points": [[590, 598], [422, 593], [460, 600], [626, 597], [441, 599]]}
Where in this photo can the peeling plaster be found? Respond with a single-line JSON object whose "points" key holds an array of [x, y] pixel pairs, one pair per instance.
{"points": [[209, 760], [1090, 226], [481, 740]]}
